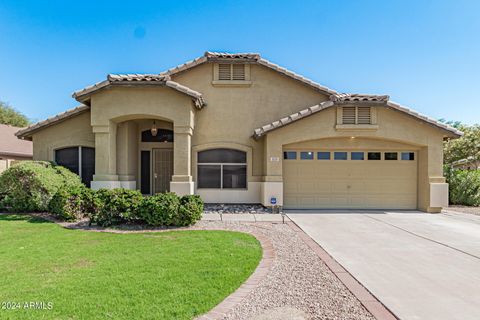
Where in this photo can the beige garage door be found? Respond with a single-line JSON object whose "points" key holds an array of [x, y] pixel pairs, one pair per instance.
{"points": [[350, 179]]}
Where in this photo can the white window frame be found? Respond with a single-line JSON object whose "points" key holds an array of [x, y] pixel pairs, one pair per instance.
{"points": [[222, 164]]}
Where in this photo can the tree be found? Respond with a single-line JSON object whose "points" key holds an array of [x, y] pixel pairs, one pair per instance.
{"points": [[12, 117], [466, 147]]}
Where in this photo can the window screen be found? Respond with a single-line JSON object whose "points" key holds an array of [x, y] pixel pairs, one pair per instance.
{"points": [[222, 169], [68, 158], [88, 165]]}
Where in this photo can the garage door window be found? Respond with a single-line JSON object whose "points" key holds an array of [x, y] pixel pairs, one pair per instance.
{"points": [[323, 155], [391, 155], [408, 156], [358, 156], [374, 156], [290, 155], [222, 169], [340, 156], [306, 155]]}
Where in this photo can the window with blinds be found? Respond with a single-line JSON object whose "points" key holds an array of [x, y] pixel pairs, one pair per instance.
{"points": [[227, 71], [356, 115]]}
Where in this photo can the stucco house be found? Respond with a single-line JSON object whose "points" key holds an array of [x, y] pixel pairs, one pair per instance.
{"points": [[236, 128], [13, 150]]}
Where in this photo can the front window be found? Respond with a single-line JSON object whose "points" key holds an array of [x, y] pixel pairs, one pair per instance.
{"points": [[79, 160], [222, 169], [163, 135]]}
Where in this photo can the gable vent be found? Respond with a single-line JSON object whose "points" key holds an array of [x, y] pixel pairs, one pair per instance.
{"points": [[364, 115], [224, 71], [227, 71], [348, 115], [238, 72]]}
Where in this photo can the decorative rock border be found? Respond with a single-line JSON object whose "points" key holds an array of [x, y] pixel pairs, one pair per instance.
{"points": [[369, 301], [221, 310]]}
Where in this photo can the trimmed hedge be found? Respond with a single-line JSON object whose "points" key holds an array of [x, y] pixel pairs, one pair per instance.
{"points": [[464, 186], [30, 185], [44, 186], [118, 206], [115, 206]]}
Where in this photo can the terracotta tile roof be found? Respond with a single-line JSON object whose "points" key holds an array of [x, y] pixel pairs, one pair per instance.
{"points": [[248, 57], [11, 146], [26, 133], [139, 79], [351, 99], [355, 97]]}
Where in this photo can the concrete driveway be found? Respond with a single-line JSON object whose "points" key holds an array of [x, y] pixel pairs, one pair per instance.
{"points": [[421, 266]]}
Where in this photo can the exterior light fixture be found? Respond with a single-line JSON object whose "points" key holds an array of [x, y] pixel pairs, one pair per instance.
{"points": [[352, 137], [154, 129]]}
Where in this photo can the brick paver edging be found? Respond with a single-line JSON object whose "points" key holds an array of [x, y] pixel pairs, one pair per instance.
{"points": [[368, 300], [220, 311]]}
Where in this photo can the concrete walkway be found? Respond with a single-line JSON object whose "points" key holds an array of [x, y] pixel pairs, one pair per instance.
{"points": [[244, 217], [421, 266]]}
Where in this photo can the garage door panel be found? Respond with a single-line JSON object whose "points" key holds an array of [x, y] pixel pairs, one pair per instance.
{"points": [[380, 184]]}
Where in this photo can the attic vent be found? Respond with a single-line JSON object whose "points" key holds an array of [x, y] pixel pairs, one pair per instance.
{"points": [[224, 72], [228, 71], [348, 116], [356, 115], [363, 115]]}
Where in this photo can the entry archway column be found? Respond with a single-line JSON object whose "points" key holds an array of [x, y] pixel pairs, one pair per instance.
{"points": [[105, 157], [182, 182]]}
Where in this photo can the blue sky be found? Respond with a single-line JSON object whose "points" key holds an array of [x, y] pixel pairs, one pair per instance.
{"points": [[424, 54]]}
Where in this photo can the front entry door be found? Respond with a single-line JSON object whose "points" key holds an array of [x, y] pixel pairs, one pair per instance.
{"points": [[162, 169]]}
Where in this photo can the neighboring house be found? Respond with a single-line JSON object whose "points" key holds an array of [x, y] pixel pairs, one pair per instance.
{"points": [[236, 128], [469, 163], [12, 149]]}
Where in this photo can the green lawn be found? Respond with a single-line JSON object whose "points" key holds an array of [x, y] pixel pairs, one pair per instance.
{"points": [[91, 275]]}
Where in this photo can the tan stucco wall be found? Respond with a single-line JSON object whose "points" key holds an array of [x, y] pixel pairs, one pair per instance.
{"points": [[232, 113], [392, 126], [71, 132], [228, 120]]}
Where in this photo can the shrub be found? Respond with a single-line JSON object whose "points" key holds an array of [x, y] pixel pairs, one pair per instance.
{"points": [[30, 185], [114, 206], [464, 186], [189, 211], [160, 209], [68, 203]]}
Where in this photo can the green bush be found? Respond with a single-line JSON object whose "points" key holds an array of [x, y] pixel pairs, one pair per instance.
{"points": [[68, 203], [114, 206], [189, 211], [30, 185], [464, 186], [160, 209]]}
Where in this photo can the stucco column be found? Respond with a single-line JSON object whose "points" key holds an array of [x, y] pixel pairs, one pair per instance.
{"points": [[433, 191], [105, 157], [182, 182], [127, 154], [272, 185]]}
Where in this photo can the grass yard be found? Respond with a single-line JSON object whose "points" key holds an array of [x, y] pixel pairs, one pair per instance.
{"points": [[91, 275]]}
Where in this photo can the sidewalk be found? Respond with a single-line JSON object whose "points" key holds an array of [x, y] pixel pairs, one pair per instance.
{"points": [[244, 217]]}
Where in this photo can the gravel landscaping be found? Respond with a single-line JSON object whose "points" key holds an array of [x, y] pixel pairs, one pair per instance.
{"points": [[235, 208], [298, 280], [465, 209]]}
